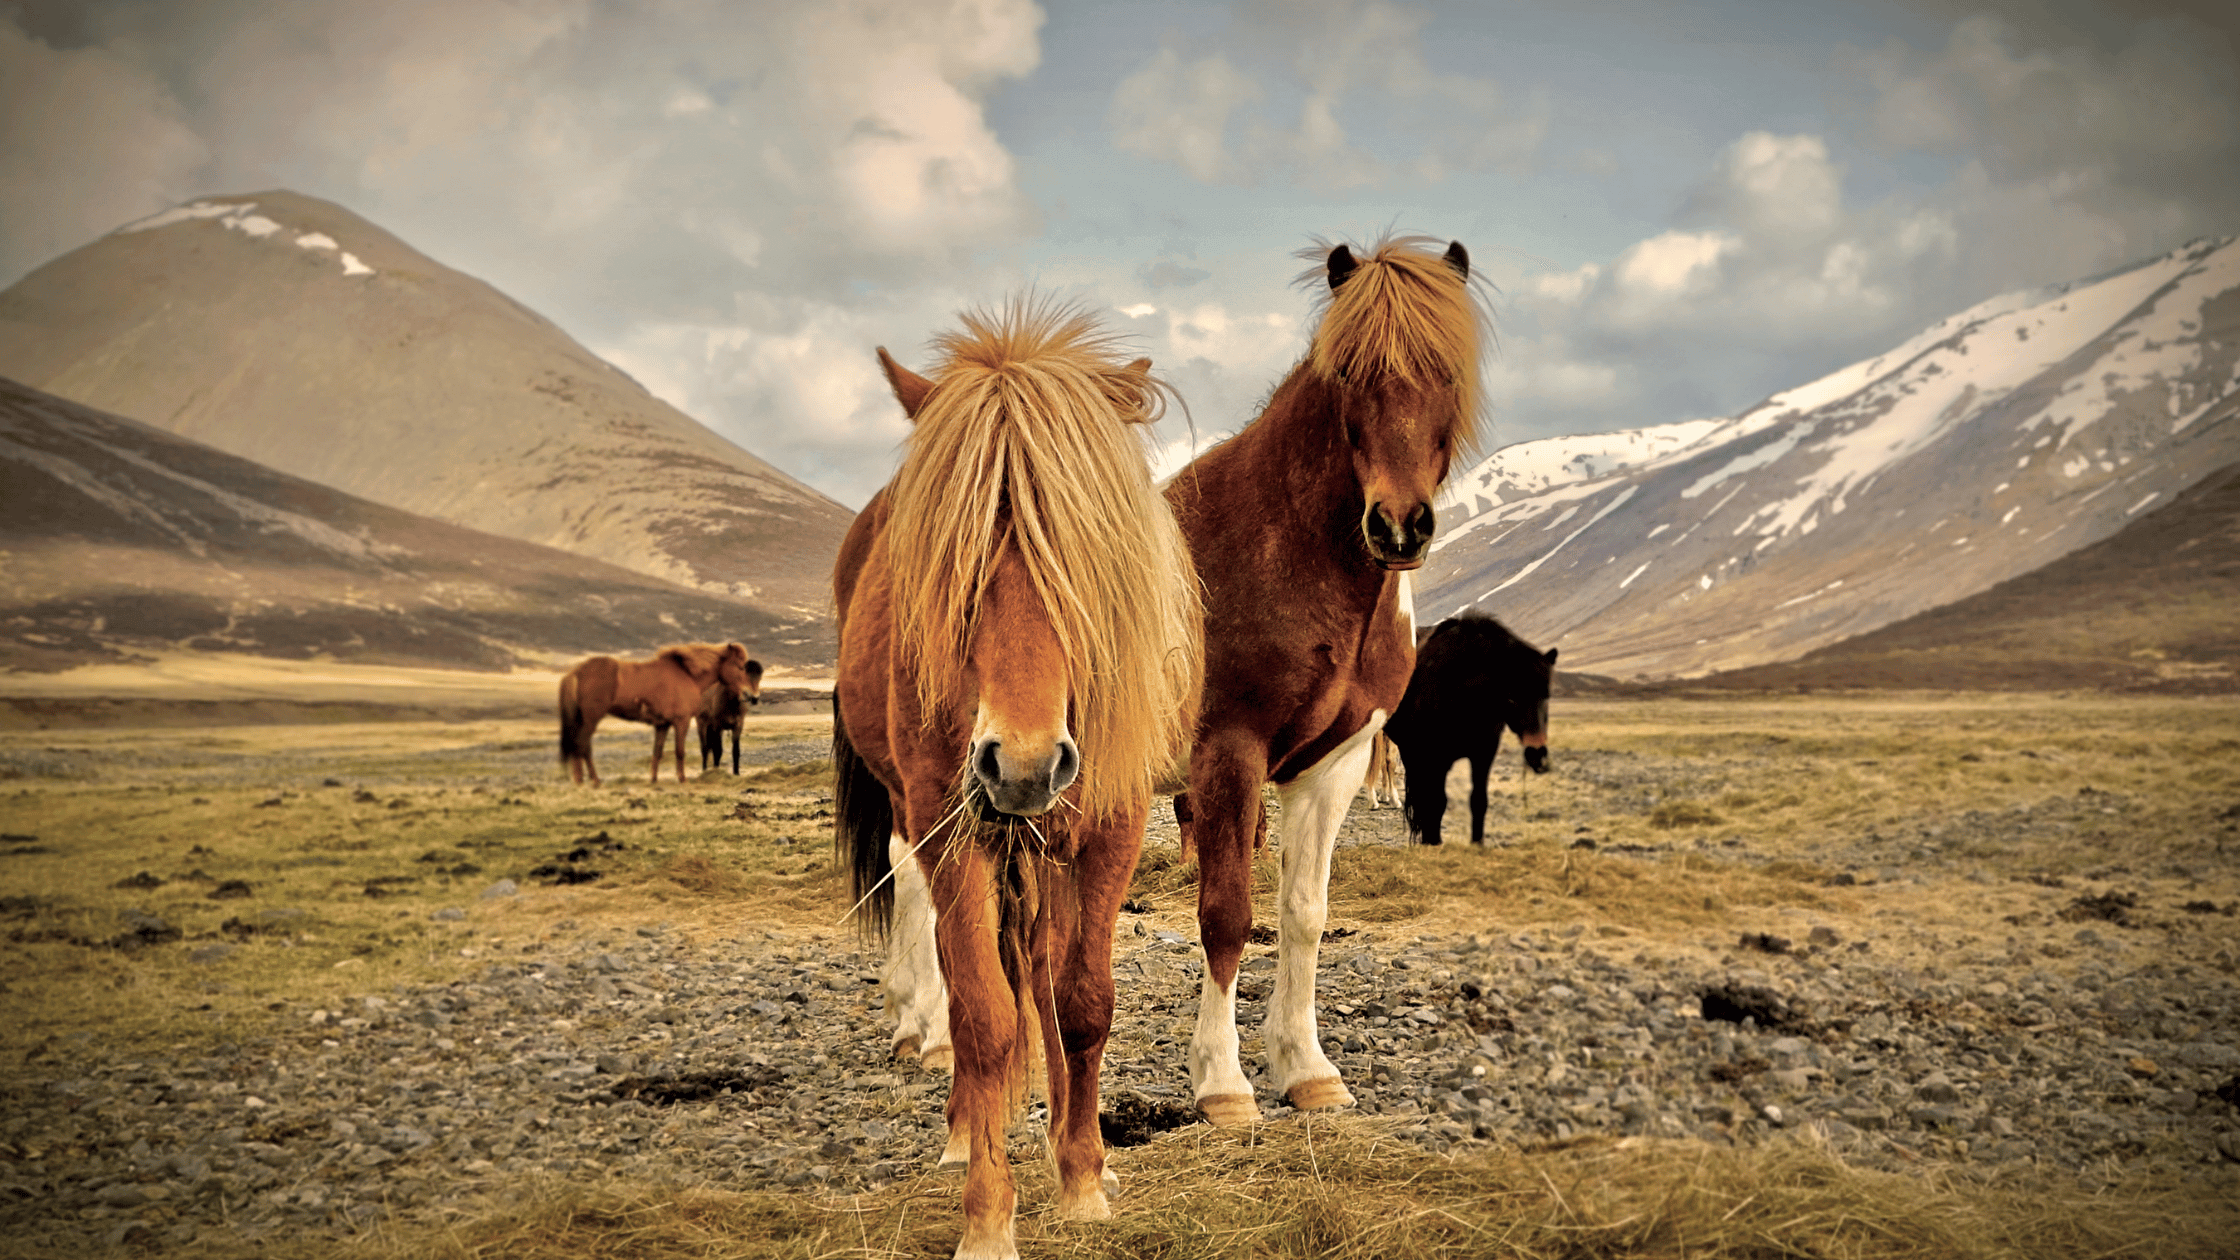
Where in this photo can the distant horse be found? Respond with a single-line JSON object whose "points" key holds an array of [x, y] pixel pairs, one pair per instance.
{"points": [[664, 691], [1472, 678], [1304, 527], [1383, 777], [724, 709], [1020, 642]]}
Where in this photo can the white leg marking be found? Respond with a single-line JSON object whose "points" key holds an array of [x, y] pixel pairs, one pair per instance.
{"points": [[915, 996], [1214, 1065], [1314, 805]]}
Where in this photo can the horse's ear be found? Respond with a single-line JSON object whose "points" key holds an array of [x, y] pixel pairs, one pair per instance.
{"points": [[1459, 259], [754, 668], [1130, 390], [1550, 656], [910, 389], [1341, 265]]}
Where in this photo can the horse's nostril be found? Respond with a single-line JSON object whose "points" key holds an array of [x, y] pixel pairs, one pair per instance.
{"points": [[1068, 767], [986, 766], [1422, 521]]}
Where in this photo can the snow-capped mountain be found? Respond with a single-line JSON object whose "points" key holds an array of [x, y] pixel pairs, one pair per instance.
{"points": [[1990, 444], [289, 331]]}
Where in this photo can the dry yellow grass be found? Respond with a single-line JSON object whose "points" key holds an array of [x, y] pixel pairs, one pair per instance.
{"points": [[1708, 816], [1339, 1188]]}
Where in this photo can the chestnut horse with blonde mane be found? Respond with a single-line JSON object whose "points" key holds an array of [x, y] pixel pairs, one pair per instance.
{"points": [[1304, 527], [1020, 639], [664, 691]]}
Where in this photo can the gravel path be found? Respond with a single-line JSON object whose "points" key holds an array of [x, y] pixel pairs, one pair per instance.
{"points": [[2098, 1049]]}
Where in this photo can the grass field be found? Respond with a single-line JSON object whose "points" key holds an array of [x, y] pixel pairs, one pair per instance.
{"points": [[352, 839]]}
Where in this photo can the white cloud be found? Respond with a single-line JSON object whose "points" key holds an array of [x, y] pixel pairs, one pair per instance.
{"points": [[1356, 102], [120, 151], [1178, 112], [1672, 263]]}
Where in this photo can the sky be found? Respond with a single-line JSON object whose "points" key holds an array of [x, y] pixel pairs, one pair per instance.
{"points": [[1679, 208]]}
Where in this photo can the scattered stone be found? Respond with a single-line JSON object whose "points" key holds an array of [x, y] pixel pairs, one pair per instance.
{"points": [[232, 888], [2109, 907], [1765, 942], [1733, 1002], [503, 888]]}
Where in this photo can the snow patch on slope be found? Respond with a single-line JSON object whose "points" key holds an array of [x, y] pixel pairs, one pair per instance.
{"points": [[240, 216]]}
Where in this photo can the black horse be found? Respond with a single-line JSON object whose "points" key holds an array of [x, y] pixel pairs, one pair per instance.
{"points": [[722, 709], [1472, 678]]}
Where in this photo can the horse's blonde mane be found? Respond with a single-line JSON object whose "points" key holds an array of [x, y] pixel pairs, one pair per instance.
{"points": [[1027, 439], [1403, 312]]}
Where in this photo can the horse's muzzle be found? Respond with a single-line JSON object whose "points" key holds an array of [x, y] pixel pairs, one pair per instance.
{"points": [[1399, 543], [1536, 757], [1025, 788]]}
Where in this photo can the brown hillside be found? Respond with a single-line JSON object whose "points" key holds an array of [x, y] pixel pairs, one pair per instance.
{"points": [[117, 538]]}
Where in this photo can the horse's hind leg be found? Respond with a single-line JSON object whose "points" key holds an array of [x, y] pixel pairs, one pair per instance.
{"points": [[1314, 807], [915, 995], [1481, 764]]}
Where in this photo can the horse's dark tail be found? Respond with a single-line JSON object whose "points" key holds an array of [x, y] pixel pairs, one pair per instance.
{"points": [[571, 722], [862, 822]]}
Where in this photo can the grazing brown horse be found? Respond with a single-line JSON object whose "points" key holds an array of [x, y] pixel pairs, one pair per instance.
{"points": [[1304, 527], [1020, 641], [664, 691], [724, 708], [1472, 678]]}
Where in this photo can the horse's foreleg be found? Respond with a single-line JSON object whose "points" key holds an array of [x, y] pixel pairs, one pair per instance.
{"points": [[915, 996], [1225, 780], [1084, 1000], [984, 1020], [1480, 767], [1314, 806], [681, 728], [659, 732]]}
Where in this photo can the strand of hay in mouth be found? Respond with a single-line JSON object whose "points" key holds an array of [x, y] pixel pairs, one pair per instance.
{"points": [[1344, 1188]]}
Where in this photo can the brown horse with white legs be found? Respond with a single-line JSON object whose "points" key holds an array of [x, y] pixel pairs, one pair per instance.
{"points": [[1304, 527], [664, 691], [724, 708], [1019, 661]]}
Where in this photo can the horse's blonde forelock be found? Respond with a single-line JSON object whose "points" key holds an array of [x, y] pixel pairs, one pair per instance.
{"points": [[1404, 312], [1033, 435]]}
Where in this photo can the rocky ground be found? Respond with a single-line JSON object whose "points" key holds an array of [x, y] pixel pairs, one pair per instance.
{"points": [[2098, 1046]]}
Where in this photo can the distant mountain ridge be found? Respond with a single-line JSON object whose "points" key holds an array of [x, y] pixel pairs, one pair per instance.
{"points": [[1988, 445], [2154, 607], [289, 331], [119, 538]]}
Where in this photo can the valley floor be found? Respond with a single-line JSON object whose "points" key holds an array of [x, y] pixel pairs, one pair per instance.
{"points": [[287, 982]]}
